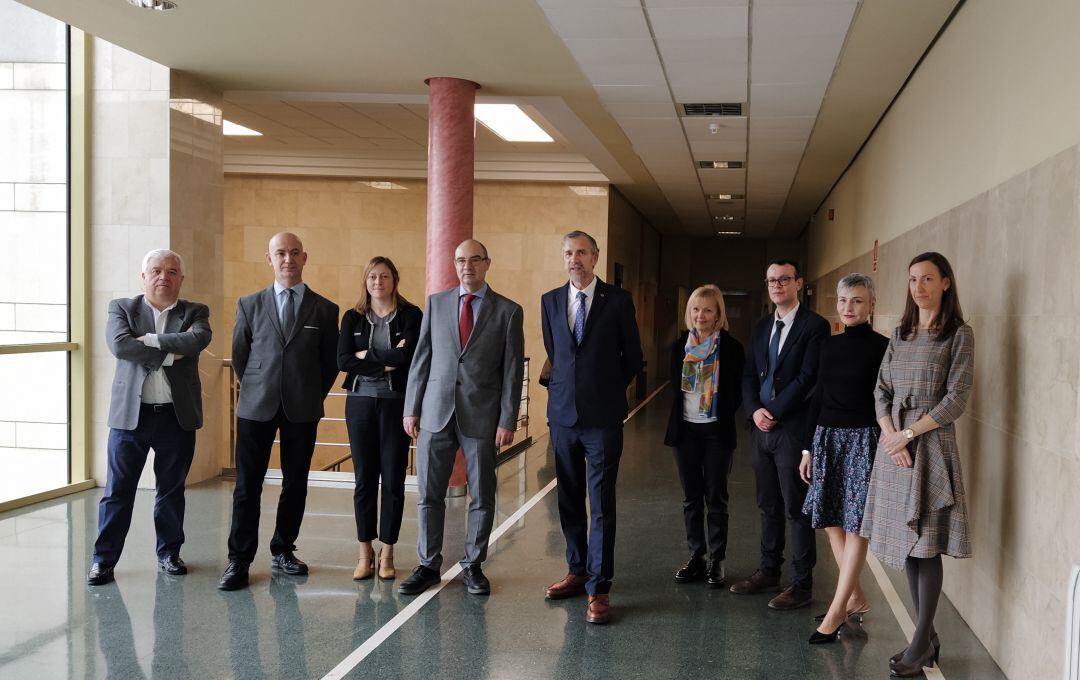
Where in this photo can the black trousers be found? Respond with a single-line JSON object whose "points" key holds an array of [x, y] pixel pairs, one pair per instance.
{"points": [[380, 449], [704, 465], [174, 449], [254, 441], [780, 496]]}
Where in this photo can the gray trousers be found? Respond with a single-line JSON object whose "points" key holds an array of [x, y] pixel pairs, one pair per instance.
{"points": [[435, 452]]}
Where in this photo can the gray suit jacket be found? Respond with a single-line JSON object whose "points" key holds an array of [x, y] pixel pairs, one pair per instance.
{"points": [[480, 384], [273, 371], [187, 332]]}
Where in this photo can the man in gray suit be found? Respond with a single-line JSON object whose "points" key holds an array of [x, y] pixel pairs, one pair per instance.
{"points": [[156, 404], [284, 355], [464, 391]]}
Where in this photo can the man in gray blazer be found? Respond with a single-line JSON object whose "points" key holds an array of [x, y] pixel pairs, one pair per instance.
{"points": [[284, 356], [464, 391], [156, 404]]}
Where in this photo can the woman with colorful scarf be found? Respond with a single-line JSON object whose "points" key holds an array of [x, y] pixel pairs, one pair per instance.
{"points": [[706, 365]]}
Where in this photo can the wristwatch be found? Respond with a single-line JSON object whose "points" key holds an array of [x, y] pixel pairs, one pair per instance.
{"points": [[909, 433]]}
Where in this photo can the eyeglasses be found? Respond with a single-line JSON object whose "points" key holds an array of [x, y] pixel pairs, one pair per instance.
{"points": [[780, 282], [474, 260]]}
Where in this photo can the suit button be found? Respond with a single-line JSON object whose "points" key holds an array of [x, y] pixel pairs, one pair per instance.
{"points": [[461, 360], [458, 382]]}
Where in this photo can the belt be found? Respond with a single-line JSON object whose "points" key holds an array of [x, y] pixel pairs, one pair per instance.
{"points": [[157, 408]]}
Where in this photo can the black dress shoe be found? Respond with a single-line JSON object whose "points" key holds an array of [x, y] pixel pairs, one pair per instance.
{"points": [[99, 574], [289, 563], [420, 580], [934, 640], [819, 638], [235, 576], [475, 581], [693, 570], [172, 565], [714, 573], [910, 670]]}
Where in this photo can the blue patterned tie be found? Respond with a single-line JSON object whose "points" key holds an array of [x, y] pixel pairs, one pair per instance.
{"points": [[579, 318], [766, 394]]}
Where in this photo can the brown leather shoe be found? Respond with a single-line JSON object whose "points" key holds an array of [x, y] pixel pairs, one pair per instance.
{"points": [[793, 597], [759, 582], [571, 586], [599, 610]]}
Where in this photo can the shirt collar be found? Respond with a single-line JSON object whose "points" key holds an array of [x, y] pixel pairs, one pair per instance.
{"points": [[480, 293], [299, 288], [589, 290], [789, 319], [154, 309]]}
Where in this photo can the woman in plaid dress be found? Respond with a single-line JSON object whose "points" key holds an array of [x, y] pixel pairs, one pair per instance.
{"points": [[915, 510]]}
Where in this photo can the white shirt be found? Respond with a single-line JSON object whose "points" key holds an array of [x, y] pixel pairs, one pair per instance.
{"points": [[572, 301], [788, 320], [692, 408], [279, 299], [156, 388]]}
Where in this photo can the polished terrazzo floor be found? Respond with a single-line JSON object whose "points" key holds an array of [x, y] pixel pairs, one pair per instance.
{"points": [[151, 625]]}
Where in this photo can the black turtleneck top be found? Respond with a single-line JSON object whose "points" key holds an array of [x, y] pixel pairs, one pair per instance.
{"points": [[847, 375]]}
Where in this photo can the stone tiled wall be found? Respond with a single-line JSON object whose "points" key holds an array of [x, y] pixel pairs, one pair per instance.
{"points": [[156, 181], [346, 222], [196, 231], [1013, 249], [129, 214]]}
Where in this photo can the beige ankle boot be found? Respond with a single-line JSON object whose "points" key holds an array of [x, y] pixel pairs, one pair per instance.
{"points": [[386, 563], [365, 566]]}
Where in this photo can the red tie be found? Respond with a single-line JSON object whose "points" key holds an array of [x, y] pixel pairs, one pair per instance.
{"points": [[465, 321]]}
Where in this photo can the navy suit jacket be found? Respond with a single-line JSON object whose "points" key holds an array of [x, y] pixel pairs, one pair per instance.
{"points": [[796, 368], [588, 381]]}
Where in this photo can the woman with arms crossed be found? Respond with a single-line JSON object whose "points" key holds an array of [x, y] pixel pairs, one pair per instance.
{"points": [[915, 509]]}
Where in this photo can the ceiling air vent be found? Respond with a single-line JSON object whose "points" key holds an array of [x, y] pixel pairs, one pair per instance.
{"points": [[713, 109], [713, 165]]}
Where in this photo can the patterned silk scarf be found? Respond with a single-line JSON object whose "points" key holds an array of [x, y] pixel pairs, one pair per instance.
{"points": [[700, 370]]}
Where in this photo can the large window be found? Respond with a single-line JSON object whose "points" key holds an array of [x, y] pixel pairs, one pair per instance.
{"points": [[35, 310]]}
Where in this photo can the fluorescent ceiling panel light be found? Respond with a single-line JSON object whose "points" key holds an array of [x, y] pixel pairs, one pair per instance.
{"points": [[589, 191], [233, 130], [719, 165], [729, 233], [511, 123], [726, 218], [387, 186], [723, 197]]}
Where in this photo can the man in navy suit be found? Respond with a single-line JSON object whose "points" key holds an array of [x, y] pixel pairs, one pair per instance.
{"points": [[591, 338], [778, 379]]}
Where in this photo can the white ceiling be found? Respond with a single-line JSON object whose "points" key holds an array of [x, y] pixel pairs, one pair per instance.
{"points": [[340, 86], [647, 57]]}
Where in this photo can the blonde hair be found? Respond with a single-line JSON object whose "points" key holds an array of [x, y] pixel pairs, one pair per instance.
{"points": [[712, 294]]}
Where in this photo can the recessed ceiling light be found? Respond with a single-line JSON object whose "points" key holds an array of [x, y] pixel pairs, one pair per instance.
{"points": [[729, 233], [589, 190], [724, 197], [719, 165], [160, 5], [511, 123], [233, 130], [386, 186]]}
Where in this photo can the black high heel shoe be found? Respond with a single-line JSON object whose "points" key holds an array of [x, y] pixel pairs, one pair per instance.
{"points": [[819, 638], [899, 655], [903, 670]]}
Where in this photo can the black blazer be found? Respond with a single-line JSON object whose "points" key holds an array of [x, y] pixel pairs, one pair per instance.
{"points": [[356, 336], [728, 390], [796, 369], [293, 373], [588, 381]]}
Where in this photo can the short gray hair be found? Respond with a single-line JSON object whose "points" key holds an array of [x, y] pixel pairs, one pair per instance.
{"points": [[162, 254], [856, 280], [580, 234]]}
